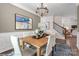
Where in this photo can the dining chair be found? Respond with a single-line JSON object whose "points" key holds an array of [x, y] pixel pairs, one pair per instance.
{"points": [[51, 43], [19, 51]]}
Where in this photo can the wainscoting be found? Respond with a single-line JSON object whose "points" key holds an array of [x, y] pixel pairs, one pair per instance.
{"points": [[5, 43]]}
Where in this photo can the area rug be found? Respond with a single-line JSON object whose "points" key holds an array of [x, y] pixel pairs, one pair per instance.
{"points": [[62, 49]]}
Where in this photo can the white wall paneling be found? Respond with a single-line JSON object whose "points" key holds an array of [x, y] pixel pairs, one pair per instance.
{"points": [[5, 43], [78, 40]]}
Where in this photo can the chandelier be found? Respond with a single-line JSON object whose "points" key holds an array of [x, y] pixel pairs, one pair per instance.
{"points": [[42, 11]]}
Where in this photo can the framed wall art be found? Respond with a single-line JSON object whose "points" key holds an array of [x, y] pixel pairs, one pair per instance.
{"points": [[23, 22]]}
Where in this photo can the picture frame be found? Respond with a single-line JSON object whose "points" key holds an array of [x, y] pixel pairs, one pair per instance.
{"points": [[23, 22]]}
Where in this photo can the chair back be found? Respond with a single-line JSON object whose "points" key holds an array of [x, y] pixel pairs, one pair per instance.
{"points": [[16, 46], [50, 44]]}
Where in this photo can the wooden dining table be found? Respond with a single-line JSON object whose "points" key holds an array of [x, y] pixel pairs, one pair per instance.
{"points": [[38, 43]]}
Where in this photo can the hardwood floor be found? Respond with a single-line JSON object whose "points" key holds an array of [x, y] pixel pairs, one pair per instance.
{"points": [[72, 41], [60, 40], [5, 53]]}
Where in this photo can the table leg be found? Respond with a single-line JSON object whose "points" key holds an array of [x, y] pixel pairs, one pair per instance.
{"points": [[38, 51], [23, 45]]}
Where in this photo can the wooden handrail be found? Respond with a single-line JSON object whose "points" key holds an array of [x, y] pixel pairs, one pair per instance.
{"points": [[59, 25], [64, 29]]}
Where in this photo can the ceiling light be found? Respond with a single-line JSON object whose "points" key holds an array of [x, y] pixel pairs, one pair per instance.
{"points": [[42, 11]]}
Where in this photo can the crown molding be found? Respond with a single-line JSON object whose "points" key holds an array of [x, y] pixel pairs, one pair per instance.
{"points": [[24, 8], [77, 4]]}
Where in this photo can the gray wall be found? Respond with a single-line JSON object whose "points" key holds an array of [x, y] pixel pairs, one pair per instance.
{"points": [[7, 17], [78, 17]]}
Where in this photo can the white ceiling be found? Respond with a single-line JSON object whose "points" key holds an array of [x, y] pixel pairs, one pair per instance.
{"points": [[58, 9]]}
